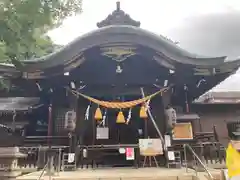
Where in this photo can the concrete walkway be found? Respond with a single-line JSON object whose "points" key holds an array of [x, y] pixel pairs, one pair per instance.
{"points": [[118, 173], [126, 174]]}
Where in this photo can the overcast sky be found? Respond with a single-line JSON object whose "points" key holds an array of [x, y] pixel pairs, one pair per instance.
{"points": [[205, 27]]}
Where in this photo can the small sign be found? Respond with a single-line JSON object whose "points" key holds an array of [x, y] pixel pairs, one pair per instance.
{"points": [[171, 156], [130, 154], [102, 133], [150, 147], [71, 157], [183, 131]]}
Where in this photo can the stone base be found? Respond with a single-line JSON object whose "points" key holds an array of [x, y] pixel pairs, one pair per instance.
{"points": [[9, 175], [9, 162]]}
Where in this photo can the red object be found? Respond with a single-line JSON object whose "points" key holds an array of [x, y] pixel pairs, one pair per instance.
{"points": [[129, 153]]}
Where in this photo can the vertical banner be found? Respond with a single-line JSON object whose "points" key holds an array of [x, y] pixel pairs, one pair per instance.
{"points": [[130, 154]]}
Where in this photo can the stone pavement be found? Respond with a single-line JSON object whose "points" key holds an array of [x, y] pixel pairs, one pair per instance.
{"points": [[120, 174]]}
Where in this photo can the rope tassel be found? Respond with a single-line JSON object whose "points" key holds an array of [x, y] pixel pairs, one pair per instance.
{"points": [[98, 114], [120, 118], [143, 112]]}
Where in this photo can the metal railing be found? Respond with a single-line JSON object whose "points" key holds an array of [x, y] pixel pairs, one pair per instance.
{"points": [[43, 170], [196, 158]]}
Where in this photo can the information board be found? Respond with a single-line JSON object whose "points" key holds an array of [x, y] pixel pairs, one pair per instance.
{"points": [[150, 147]]}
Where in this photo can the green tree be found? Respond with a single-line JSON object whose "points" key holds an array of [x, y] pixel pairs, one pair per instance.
{"points": [[24, 23]]}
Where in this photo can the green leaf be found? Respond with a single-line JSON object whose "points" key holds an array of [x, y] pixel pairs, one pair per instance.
{"points": [[24, 23]]}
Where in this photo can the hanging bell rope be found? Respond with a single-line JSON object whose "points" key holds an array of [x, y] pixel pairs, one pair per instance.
{"points": [[120, 105]]}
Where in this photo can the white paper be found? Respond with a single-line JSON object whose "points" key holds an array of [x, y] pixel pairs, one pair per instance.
{"points": [[71, 157], [102, 133], [167, 140], [122, 150], [171, 156]]}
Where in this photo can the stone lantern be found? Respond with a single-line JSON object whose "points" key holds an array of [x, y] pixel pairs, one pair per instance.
{"points": [[9, 162]]}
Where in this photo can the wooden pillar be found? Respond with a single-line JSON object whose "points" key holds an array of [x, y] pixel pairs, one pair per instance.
{"points": [[73, 104], [186, 98], [94, 128], [50, 155], [145, 128], [75, 144], [81, 123], [14, 120], [49, 124], [165, 101]]}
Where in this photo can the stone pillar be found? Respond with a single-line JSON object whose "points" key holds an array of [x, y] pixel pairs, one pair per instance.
{"points": [[50, 166], [9, 162], [42, 158]]}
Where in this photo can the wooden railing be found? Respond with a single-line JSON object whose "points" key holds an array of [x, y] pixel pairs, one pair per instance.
{"points": [[37, 157], [46, 140]]}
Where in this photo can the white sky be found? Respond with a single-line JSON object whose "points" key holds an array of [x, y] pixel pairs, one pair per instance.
{"points": [[158, 16]]}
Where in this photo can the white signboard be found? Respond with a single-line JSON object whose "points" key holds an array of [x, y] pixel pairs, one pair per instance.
{"points": [[150, 147], [71, 157], [102, 133]]}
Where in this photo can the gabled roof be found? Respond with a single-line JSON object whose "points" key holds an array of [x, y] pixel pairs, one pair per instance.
{"points": [[119, 27], [219, 97], [122, 34]]}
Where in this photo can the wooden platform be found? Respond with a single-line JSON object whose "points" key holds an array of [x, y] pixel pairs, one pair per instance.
{"points": [[119, 174]]}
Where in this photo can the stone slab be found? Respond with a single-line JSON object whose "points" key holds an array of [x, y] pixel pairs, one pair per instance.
{"points": [[118, 174]]}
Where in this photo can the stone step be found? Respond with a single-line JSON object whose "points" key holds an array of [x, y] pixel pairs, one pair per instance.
{"points": [[119, 174], [137, 178], [217, 175], [128, 174]]}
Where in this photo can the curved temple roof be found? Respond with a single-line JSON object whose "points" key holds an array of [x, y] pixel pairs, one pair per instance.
{"points": [[119, 27], [124, 34]]}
